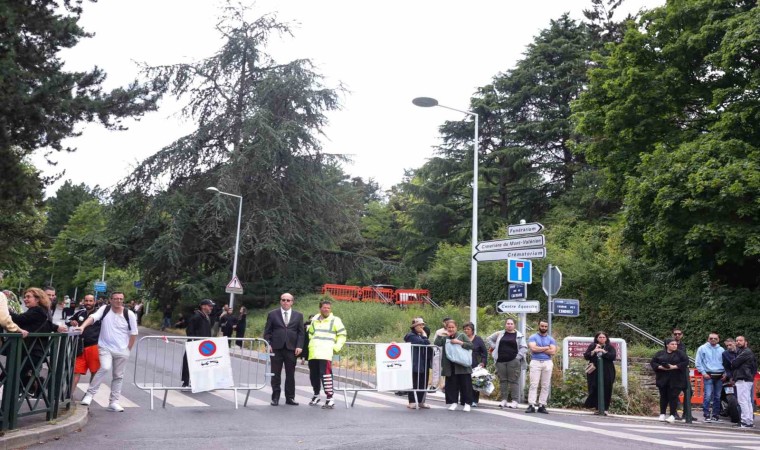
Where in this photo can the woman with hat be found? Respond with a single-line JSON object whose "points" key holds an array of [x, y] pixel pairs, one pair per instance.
{"points": [[422, 355]]}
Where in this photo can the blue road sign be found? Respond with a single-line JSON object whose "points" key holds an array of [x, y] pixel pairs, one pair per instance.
{"points": [[517, 291], [569, 307], [520, 271], [100, 286], [138, 284]]}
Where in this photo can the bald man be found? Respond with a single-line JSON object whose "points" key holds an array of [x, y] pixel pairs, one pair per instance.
{"points": [[284, 331]]}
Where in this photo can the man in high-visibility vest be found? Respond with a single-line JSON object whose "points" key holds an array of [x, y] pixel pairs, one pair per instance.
{"points": [[326, 336]]}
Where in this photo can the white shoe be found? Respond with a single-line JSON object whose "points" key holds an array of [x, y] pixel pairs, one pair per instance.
{"points": [[466, 408], [670, 419], [503, 404], [513, 405], [453, 407], [314, 401], [86, 400], [115, 407], [661, 418]]}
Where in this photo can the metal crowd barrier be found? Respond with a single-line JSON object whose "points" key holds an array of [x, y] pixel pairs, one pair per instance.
{"points": [[36, 373], [158, 365], [354, 370]]}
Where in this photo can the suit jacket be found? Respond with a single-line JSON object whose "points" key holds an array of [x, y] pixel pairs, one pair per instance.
{"points": [[199, 325], [281, 336]]}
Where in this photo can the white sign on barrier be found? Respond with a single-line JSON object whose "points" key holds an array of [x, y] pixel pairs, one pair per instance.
{"points": [[575, 346], [394, 366], [209, 363]]}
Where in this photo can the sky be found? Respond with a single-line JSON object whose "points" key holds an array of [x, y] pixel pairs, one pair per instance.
{"points": [[384, 53]]}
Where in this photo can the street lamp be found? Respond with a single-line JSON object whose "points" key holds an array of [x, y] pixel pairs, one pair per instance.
{"points": [[427, 102], [237, 238]]}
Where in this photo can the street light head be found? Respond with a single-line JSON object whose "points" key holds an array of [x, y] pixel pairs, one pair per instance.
{"points": [[212, 189], [425, 102]]}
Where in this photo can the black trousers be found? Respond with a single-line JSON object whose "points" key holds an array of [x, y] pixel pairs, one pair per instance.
{"points": [[185, 371], [285, 357], [419, 381], [320, 375], [669, 398], [459, 387]]}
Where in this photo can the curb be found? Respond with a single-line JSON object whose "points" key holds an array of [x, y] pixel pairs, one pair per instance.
{"points": [[52, 430]]}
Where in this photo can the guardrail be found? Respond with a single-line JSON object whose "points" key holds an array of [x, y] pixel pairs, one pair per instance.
{"points": [[158, 365], [651, 337], [36, 373]]}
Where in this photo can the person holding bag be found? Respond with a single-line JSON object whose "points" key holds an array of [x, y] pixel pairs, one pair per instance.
{"points": [[456, 365], [600, 347]]}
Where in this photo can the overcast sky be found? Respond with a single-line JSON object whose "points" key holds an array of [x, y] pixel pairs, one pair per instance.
{"points": [[385, 53]]}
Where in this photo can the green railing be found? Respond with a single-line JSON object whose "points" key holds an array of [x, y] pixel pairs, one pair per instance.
{"points": [[36, 373]]}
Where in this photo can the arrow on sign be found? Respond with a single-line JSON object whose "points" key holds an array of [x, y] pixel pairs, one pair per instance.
{"points": [[510, 244], [524, 253], [525, 228]]}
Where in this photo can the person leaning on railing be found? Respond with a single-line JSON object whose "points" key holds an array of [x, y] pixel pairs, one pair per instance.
{"points": [[6, 321]]}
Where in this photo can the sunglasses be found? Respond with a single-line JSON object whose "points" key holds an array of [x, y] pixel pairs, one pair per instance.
{"points": [[677, 334], [286, 300]]}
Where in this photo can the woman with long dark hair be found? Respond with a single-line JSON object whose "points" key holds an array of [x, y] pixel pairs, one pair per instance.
{"points": [[600, 347]]}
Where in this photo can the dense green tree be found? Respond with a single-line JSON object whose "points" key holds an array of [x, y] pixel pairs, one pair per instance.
{"points": [[258, 128], [671, 119], [60, 207]]}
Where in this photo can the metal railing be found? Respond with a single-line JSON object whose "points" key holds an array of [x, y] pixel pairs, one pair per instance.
{"points": [[159, 361], [36, 375], [650, 336]]}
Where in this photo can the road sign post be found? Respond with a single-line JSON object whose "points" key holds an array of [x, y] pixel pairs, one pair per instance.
{"points": [[234, 286], [552, 281]]}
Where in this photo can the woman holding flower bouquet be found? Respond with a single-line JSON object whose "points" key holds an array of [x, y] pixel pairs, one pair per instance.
{"points": [[479, 355]]}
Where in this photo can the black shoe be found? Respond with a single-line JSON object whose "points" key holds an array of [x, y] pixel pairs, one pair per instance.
{"points": [[186, 385], [530, 409], [275, 402], [542, 409], [677, 417], [291, 402]]}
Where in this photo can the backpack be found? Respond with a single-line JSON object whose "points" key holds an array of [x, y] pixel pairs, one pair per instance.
{"points": [[126, 315]]}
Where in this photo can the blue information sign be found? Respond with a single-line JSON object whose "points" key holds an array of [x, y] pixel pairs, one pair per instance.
{"points": [[568, 307], [138, 284], [100, 286], [517, 291], [520, 271]]}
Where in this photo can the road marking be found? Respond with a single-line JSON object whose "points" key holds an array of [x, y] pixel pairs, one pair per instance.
{"points": [[665, 429], [175, 398], [359, 401], [230, 396], [605, 432], [102, 397], [723, 441]]}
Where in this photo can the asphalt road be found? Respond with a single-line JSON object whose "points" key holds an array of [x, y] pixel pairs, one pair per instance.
{"points": [[377, 421]]}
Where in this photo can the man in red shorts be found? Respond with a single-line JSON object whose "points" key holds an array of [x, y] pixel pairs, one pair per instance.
{"points": [[88, 359]]}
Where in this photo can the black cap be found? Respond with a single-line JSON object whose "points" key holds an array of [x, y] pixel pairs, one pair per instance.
{"points": [[206, 301]]}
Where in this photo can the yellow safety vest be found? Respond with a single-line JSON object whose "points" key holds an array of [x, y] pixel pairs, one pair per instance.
{"points": [[326, 335]]}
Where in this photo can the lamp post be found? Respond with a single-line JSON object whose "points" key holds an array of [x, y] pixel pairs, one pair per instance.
{"points": [[237, 238], [427, 102]]}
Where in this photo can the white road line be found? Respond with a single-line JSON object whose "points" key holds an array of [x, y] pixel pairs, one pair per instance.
{"points": [[723, 441], [602, 431], [309, 392], [175, 398], [103, 394], [666, 429], [230, 396], [750, 448]]}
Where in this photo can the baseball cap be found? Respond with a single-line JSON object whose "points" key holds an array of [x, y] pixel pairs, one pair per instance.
{"points": [[206, 301]]}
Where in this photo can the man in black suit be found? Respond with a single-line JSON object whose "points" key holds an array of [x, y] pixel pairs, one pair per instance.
{"points": [[198, 326], [284, 331]]}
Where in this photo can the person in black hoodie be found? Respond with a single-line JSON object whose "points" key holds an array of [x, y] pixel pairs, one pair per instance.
{"points": [[198, 326], [668, 367], [743, 370]]}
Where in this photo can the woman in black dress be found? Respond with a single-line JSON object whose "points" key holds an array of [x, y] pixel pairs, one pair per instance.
{"points": [[668, 367], [240, 326], [600, 347]]}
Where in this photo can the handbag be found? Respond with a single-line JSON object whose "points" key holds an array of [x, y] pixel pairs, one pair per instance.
{"points": [[458, 355], [590, 368]]}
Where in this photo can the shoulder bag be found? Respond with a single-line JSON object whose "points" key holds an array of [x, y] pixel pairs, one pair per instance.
{"points": [[458, 354]]}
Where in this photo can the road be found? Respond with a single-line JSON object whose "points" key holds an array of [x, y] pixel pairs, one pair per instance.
{"points": [[377, 421]]}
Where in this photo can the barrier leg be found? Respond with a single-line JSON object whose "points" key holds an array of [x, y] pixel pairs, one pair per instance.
{"points": [[353, 400], [247, 396], [151, 399], [236, 400], [166, 393]]}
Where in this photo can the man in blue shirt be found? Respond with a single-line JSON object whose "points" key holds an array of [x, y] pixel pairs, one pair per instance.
{"points": [[709, 362], [542, 348]]}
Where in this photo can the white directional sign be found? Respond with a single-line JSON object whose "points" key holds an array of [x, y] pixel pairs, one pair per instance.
{"points": [[525, 228], [523, 253], [511, 244], [509, 306], [234, 286]]}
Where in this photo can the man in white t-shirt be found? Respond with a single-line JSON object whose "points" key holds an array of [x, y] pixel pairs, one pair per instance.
{"points": [[118, 332]]}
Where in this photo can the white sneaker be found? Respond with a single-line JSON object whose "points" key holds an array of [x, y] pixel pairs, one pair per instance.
{"points": [[670, 419], [329, 404], [503, 404], [513, 405], [453, 407], [115, 407], [661, 418], [314, 401], [466, 408], [86, 400]]}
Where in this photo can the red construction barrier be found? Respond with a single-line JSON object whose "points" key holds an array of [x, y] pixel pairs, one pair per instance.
{"points": [[341, 292], [698, 387], [404, 297]]}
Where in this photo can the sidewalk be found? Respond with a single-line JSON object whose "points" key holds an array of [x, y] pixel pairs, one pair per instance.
{"points": [[38, 432]]}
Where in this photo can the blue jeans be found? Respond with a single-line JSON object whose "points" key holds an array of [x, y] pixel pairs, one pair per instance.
{"points": [[167, 323], [713, 388]]}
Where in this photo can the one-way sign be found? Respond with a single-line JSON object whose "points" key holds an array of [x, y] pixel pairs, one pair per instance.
{"points": [[511, 244]]}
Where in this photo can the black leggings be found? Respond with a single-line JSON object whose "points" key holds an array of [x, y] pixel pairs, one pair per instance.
{"points": [[669, 397], [419, 381]]}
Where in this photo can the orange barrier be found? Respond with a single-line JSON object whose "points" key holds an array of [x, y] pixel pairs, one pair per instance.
{"points": [[698, 387], [401, 297]]}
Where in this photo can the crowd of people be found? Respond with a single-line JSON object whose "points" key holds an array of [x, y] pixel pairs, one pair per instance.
{"points": [[444, 359]]}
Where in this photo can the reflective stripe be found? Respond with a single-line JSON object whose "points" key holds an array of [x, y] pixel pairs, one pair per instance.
{"points": [[323, 338], [325, 331], [341, 330]]}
